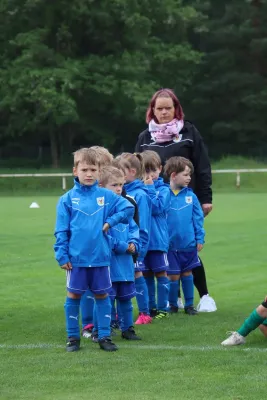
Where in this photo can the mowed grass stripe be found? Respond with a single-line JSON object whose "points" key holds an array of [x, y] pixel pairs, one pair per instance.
{"points": [[136, 347]]}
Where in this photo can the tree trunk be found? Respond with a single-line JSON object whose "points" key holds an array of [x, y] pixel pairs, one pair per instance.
{"points": [[54, 149]]}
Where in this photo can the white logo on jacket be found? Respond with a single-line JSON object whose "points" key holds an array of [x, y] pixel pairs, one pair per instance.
{"points": [[75, 200], [100, 201], [188, 199]]}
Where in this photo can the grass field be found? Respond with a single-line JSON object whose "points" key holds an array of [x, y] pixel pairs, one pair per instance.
{"points": [[180, 358]]}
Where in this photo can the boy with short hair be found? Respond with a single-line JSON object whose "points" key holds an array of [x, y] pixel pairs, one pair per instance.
{"points": [[84, 215], [124, 243], [87, 300], [156, 262], [185, 222]]}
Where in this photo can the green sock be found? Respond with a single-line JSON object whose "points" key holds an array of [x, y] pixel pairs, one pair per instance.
{"points": [[251, 323]]}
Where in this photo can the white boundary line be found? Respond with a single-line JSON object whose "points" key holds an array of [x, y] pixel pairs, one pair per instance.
{"points": [[32, 346]]}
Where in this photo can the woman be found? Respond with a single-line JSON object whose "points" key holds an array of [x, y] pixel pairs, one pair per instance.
{"points": [[170, 135]]}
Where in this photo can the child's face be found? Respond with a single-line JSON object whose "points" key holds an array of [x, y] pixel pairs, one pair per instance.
{"points": [[115, 185], [153, 174], [182, 178], [87, 174], [130, 174]]}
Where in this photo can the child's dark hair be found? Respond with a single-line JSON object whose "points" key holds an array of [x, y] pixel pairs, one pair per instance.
{"points": [[109, 172], [177, 164], [134, 161], [151, 160], [87, 155]]}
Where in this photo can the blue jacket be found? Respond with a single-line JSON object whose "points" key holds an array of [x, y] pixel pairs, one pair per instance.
{"points": [[185, 221], [81, 214], [122, 265], [160, 197], [138, 191]]}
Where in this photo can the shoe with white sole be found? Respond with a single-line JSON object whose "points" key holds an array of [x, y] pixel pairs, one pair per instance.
{"points": [[206, 304], [180, 303], [234, 339]]}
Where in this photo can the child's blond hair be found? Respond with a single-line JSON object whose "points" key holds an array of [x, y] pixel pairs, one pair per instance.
{"points": [[87, 155], [134, 161], [109, 172], [105, 157]]}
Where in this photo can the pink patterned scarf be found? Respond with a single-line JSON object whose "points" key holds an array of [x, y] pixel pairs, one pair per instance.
{"points": [[161, 133]]}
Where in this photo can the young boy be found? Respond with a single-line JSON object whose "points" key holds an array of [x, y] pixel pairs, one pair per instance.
{"points": [[185, 221], [156, 262], [124, 242], [87, 300], [258, 318], [84, 215]]}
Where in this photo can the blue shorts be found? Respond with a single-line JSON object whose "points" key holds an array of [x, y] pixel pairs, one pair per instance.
{"points": [[122, 291], [139, 266], [156, 261], [80, 279], [182, 261]]}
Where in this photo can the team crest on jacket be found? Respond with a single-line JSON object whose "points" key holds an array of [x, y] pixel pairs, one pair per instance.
{"points": [[100, 201], [177, 138], [188, 199]]}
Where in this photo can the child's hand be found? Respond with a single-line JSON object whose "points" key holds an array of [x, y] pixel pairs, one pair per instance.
{"points": [[131, 248], [106, 227], [199, 247], [148, 180], [66, 266]]}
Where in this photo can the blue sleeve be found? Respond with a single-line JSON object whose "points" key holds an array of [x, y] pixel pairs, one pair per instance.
{"points": [[117, 246], [198, 221], [144, 223], [160, 201], [62, 232], [134, 235], [120, 210]]}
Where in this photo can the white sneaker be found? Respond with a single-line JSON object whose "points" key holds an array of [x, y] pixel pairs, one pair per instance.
{"points": [[180, 303], [234, 339], [206, 304]]}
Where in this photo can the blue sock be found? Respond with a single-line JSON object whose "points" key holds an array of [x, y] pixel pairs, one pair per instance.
{"points": [[150, 281], [163, 288], [103, 313], [141, 295], [72, 313], [188, 289], [179, 289], [126, 308], [173, 294], [113, 310], [119, 313], [87, 308], [95, 320]]}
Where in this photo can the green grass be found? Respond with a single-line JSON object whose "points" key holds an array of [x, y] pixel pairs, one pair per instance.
{"points": [[178, 358]]}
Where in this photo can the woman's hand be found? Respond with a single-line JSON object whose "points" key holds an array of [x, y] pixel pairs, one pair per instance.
{"points": [[207, 208]]}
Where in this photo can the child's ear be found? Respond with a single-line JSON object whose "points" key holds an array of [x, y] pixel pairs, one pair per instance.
{"points": [[173, 175], [75, 171]]}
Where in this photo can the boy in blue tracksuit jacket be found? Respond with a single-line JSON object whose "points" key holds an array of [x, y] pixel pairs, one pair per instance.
{"points": [[132, 164], [84, 215], [185, 222], [124, 242], [156, 261]]}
